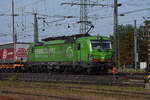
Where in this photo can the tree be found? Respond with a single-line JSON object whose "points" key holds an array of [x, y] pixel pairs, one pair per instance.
{"points": [[126, 43], [143, 43], [126, 46]]}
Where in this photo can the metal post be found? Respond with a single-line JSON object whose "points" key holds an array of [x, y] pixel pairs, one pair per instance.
{"points": [[115, 40], [13, 23], [147, 84], [13, 29], [118, 48], [135, 46], [36, 33], [148, 47]]}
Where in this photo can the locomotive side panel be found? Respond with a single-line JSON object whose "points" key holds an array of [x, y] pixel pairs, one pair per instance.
{"points": [[52, 53]]}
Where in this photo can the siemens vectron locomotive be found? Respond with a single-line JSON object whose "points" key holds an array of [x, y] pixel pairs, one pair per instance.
{"points": [[80, 53]]}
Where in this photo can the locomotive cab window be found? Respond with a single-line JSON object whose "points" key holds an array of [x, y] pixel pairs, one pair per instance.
{"points": [[106, 44], [98, 45], [78, 46]]}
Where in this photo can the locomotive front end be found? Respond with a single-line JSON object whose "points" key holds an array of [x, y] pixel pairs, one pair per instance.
{"points": [[101, 54]]}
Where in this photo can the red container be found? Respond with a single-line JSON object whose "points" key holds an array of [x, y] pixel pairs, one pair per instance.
{"points": [[11, 53], [7, 54]]}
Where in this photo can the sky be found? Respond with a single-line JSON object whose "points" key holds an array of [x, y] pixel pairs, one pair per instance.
{"points": [[57, 25]]}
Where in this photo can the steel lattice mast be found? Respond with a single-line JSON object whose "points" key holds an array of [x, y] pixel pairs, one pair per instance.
{"points": [[83, 16]]}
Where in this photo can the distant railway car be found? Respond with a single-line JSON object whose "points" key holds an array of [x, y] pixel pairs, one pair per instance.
{"points": [[13, 56], [71, 54]]}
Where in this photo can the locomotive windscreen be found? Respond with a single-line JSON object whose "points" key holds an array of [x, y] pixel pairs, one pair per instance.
{"points": [[101, 45]]}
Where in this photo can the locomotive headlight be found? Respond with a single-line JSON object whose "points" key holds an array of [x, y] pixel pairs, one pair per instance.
{"points": [[102, 58], [91, 57]]}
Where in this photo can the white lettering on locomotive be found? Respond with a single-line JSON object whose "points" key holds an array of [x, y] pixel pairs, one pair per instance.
{"points": [[51, 51], [69, 52]]}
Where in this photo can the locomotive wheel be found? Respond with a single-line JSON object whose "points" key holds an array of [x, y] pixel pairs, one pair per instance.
{"points": [[89, 71], [103, 70]]}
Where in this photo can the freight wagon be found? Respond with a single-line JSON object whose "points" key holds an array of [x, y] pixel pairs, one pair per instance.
{"points": [[71, 54], [13, 56]]}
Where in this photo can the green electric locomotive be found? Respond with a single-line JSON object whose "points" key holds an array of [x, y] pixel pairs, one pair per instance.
{"points": [[78, 53]]}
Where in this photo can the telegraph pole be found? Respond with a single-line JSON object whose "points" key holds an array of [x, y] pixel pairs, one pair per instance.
{"points": [[13, 23], [36, 33], [115, 33], [135, 46]]}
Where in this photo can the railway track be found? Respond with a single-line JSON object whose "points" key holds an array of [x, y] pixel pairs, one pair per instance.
{"points": [[124, 93], [116, 92], [43, 95], [125, 80], [48, 77], [83, 79]]}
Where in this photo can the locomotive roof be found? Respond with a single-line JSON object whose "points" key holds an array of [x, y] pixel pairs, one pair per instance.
{"points": [[65, 37]]}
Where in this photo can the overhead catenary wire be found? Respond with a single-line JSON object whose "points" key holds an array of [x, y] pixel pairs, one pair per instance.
{"points": [[30, 4], [132, 3], [134, 11], [103, 1]]}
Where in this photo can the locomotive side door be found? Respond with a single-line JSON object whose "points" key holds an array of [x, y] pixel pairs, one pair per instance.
{"points": [[78, 49]]}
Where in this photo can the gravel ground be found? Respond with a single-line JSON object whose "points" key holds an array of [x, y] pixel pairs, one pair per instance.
{"points": [[50, 93], [10, 98]]}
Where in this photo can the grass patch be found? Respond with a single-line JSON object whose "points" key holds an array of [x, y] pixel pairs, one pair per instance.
{"points": [[13, 77]]}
